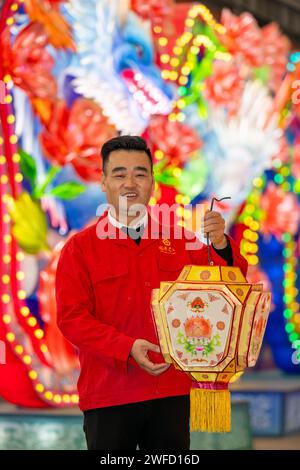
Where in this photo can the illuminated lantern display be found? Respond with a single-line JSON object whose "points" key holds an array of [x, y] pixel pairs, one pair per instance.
{"points": [[210, 324]]}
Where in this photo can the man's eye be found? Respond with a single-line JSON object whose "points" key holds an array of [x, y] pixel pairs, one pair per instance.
{"points": [[119, 176], [141, 174]]}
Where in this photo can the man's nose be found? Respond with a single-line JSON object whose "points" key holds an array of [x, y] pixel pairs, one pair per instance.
{"points": [[130, 182]]}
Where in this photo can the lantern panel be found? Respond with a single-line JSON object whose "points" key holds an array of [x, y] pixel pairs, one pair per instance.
{"points": [[246, 327], [199, 324], [201, 273], [231, 274], [161, 335], [239, 290], [261, 314], [204, 376], [225, 377]]}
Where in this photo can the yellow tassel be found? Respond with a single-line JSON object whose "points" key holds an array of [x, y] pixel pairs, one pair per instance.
{"points": [[210, 410]]}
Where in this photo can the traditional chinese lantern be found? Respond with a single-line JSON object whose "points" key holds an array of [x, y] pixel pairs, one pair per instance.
{"points": [[210, 324]]}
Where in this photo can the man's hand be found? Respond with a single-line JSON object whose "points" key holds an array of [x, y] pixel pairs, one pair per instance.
{"points": [[214, 225], [139, 352]]}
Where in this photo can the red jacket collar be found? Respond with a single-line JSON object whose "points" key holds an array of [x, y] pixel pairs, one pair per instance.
{"points": [[153, 231]]}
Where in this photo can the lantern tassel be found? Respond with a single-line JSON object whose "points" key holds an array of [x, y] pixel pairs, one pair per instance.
{"points": [[210, 410]]}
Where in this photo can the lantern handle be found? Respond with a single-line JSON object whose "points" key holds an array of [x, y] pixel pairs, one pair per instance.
{"points": [[210, 262]]}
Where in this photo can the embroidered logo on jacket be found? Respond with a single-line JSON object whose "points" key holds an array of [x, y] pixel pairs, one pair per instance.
{"points": [[166, 247]]}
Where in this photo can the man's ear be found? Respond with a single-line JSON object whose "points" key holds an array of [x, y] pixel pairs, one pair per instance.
{"points": [[153, 183], [103, 182]]}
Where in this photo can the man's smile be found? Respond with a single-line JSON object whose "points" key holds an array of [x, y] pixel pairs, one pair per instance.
{"points": [[130, 195]]}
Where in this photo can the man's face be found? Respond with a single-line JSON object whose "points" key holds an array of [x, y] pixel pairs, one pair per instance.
{"points": [[127, 181]]}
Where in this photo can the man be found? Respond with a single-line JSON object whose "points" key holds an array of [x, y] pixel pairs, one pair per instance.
{"points": [[105, 277]]}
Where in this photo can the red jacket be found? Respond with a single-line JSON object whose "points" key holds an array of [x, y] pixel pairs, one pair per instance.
{"points": [[103, 293]]}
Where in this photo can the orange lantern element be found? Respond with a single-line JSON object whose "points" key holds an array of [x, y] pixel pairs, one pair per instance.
{"points": [[280, 212], [153, 10], [176, 140], [225, 86], [76, 136], [243, 37], [47, 14], [296, 160], [29, 62], [210, 324]]}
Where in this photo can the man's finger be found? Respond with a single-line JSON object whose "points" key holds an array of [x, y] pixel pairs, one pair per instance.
{"points": [[145, 362], [213, 222], [160, 371], [152, 347], [214, 230], [211, 215], [157, 371], [158, 367], [212, 225]]}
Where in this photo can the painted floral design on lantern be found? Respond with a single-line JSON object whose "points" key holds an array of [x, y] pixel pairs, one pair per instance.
{"points": [[259, 326], [265, 303], [205, 275], [197, 305], [220, 325], [198, 340], [176, 323], [198, 327], [170, 309]]}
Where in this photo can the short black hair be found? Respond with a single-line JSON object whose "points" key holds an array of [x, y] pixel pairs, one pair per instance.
{"points": [[124, 142]]}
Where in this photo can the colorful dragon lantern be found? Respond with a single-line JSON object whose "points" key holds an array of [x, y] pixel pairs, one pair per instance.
{"points": [[210, 324]]}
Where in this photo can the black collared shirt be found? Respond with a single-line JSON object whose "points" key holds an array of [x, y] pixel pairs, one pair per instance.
{"points": [[226, 253], [134, 233]]}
